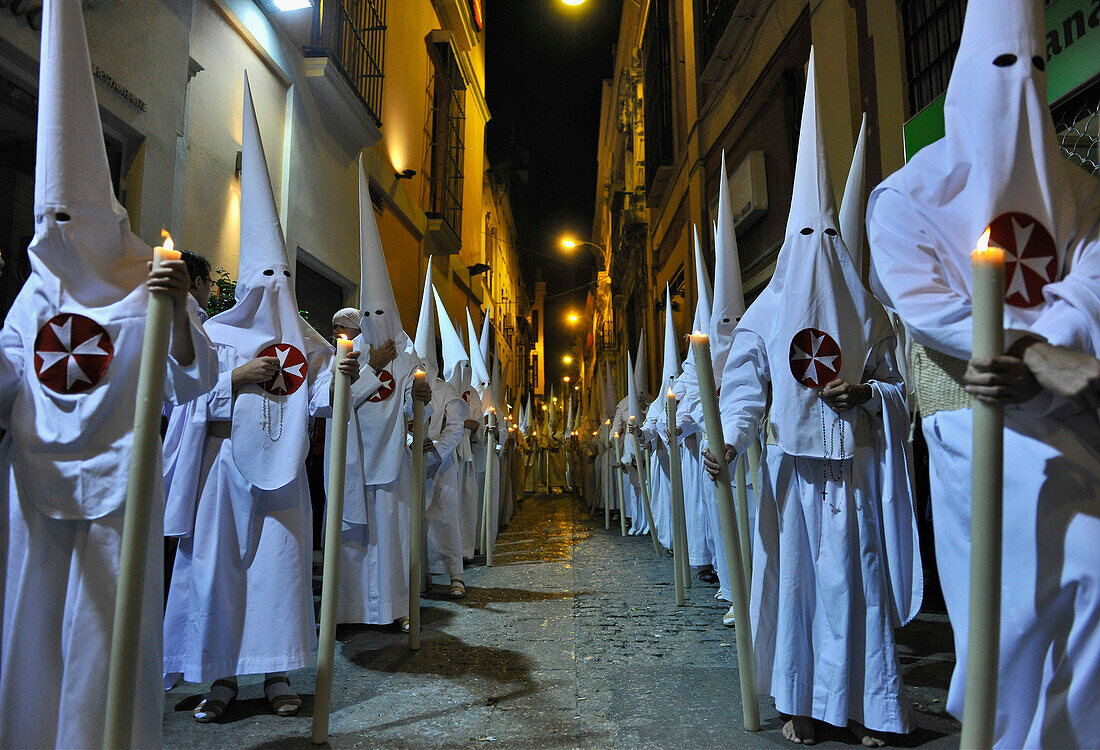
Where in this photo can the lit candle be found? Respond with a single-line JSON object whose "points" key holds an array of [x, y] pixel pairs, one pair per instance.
{"points": [[987, 478], [144, 473], [679, 519], [334, 517], [708, 394], [643, 485], [620, 489], [416, 517], [487, 498], [606, 442]]}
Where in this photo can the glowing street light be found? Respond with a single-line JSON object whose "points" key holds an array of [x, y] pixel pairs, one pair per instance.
{"points": [[567, 359], [573, 317], [568, 244], [572, 2], [565, 379]]}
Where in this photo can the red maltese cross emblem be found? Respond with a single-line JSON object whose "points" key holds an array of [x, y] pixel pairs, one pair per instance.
{"points": [[385, 390], [292, 369], [1031, 259], [815, 358], [466, 396], [71, 353]]}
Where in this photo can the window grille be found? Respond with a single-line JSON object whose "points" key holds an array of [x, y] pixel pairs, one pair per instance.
{"points": [[932, 32], [352, 34], [657, 59], [711, 19], [448, 123]]}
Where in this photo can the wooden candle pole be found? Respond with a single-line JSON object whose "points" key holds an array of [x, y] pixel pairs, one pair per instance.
{"points": [[337, 461], [620, 489], [416, 522], [746, 661], [676, 477], [487, 500], [643, 486], [134, 546], [607, 477], [744, 534], [987, 478]]}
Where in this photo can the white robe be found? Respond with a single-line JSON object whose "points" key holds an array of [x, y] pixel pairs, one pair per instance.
{"points": [[444, 505], [823, 602], [245, 560], [62, 569], [467, 477]]}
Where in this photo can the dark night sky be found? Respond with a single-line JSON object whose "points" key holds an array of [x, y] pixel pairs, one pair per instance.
{"points": [[545, 65]]}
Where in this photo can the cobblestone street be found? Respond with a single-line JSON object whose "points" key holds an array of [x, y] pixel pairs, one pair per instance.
{"points": [[572, 639]]}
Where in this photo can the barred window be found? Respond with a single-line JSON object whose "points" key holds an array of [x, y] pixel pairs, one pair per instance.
{"points": [[657, 59], [448, 123], [352, 34], [711, 19], [932, 32]]}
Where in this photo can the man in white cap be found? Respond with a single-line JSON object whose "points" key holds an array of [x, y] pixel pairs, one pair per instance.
{"points": [[374, 557], [346, 322], [814, 355], [446, 428], [69, 361], [241, 600], [999, 168]]}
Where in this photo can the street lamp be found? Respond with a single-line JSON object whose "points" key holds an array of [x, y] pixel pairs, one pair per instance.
{"points": [[569, 244], [572, 2], [573, 317], [567, 359]]}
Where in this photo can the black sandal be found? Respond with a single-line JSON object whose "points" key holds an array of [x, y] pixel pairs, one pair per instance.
{"points": [[211, 709], [285, 703]]}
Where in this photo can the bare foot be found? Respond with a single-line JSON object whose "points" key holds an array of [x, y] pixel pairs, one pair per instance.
{"points": [[800, 730], [865, 736]]}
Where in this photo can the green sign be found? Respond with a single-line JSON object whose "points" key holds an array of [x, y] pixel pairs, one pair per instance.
{"points": [[1073, 59]]}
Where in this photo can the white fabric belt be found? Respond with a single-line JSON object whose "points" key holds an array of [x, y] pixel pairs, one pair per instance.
{"points": [[938, 379]]}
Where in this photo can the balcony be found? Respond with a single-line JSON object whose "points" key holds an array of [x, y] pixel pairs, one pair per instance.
{"points": [[344, 64]]}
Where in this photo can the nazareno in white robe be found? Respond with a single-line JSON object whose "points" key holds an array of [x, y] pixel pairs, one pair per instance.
{"points": [[374, 554], [467, 475], [62, 562], [444, 504], [241, 600], [834, 552]]}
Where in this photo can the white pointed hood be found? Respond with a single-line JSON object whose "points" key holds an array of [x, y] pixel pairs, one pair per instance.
{"points": [[483, 341], [998, 166], [854, 206], [425, 328], [639, 366], [495, 389], [633, 401], [479, 368], [816, 319], [611, 394], [456, 362], [703, 291], [569, 420], [671, 367], [381, 317], [83, 247], [729, 297], [270, 422]]}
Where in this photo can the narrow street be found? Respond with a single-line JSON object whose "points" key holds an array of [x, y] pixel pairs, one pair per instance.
{"points": [[572, 639]]}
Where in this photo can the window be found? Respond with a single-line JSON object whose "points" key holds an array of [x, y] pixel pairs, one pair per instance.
{"points": [[932, 32], [448, 122], [318, 298], [711, 19], [657, 59], [352, 33]]}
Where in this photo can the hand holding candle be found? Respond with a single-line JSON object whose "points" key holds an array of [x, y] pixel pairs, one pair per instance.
{"points": [[980, 702]]}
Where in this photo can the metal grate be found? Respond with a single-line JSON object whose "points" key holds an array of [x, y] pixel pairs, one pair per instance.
{"points": [[352, 33], [1079, 137], [932, 32], [657, 59], [711, 19], [448, 122]]}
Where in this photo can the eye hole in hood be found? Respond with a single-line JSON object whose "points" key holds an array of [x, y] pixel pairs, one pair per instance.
{"points": [[807, 231], [1006, 60]]}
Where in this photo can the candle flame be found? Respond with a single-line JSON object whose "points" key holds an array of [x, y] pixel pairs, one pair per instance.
{"points": [[168, 243], [986, 253], [419, 373], [671, 394], [343, 336]]}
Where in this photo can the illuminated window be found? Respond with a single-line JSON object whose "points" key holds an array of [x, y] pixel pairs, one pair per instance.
{"points": [[448, 123]]}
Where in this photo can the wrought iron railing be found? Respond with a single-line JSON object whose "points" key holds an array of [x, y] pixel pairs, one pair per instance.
{"points": [[711, 19], [352, 34], [657, 87], [448, 124]]}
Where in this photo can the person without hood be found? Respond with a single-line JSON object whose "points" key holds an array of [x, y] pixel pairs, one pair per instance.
{"points": [[238, 496], [70, 351], [374, 555], [999, 167], [835, 563], [446, 428], [346, 323]]}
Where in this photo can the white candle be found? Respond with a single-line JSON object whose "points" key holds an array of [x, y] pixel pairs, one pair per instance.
{"points": [[330, 582], [620, 489], [143, 474], [487, 499], [643, 484], [416, 518], [987, 478], [679, 519], [746, 661]]}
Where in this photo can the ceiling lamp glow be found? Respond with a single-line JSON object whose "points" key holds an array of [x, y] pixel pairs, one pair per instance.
{"points": [[286, 5], [572, 2]]}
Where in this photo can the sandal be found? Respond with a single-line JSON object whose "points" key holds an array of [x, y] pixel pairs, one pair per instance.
{"points": [[211, 709], [284, 702], [404, 624], [458, 588]]}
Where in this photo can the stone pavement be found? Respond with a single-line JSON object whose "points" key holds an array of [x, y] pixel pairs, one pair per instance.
{"points": [[572, 639]]}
